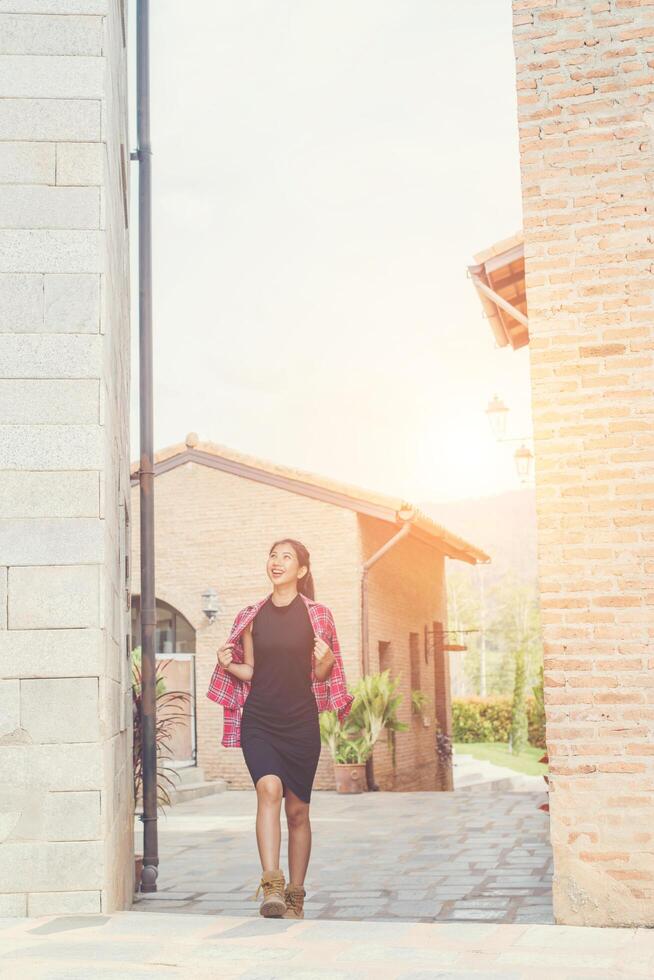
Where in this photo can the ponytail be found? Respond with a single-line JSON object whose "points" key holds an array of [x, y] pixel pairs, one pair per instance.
{"points": [[305, 586]]}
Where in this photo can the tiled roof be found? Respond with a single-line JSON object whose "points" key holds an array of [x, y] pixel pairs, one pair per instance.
{"points": [[370, 502], [501, 269]]}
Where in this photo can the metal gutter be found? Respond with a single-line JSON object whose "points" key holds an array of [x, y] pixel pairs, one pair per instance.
{"points": [[429, 531], [365, 611]]}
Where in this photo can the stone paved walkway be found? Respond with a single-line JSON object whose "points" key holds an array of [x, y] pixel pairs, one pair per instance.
{"points": [[468, 855], [144, 946]]}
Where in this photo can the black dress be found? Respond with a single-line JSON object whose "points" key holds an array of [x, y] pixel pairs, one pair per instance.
{"points": [[280, 731]]}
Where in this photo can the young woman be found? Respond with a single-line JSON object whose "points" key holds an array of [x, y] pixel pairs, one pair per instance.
{"points": [[280, 666]]}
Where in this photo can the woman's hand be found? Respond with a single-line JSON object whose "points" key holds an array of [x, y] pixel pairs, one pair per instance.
{"points": [[224, 654], [243, 670], [325, 659], [321, 650]]}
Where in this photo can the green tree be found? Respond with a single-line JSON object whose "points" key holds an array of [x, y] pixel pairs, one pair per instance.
{"points": [[508, 614], [537, 719], [519, 707], [515, 627], [463, 613]]}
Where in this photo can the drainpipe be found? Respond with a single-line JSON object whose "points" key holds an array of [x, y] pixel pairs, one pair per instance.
{"points": [[146, 466], [367, 565], [406, 516]]}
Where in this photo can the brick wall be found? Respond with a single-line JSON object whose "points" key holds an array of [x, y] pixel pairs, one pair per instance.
{"points": [[65, 733], [406, 590], [585, 78], [214, 529]]}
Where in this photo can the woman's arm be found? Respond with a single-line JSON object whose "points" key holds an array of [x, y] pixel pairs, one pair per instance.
{"points": [[248, 650], [325, 659], [245, 670]]}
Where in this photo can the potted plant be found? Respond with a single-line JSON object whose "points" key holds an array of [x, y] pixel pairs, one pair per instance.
{"points": [[351, 741], [375, 706], [171, 710], [348, 750]]}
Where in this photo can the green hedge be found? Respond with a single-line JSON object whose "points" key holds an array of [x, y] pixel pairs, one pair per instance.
{"points": [[489, 720]]}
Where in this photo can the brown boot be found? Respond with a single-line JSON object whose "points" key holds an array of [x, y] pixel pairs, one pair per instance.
{"points": [[294, 897], [273, 905]]}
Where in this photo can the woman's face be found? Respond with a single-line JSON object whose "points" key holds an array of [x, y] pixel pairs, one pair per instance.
{"points": [[283, 567]]}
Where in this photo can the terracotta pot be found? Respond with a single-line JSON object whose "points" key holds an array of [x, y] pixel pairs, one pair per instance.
{"points": [[138, 867], [350, 778]]}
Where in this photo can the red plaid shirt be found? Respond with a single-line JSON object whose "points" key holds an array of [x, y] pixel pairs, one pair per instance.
{"points": [[330, 694]]}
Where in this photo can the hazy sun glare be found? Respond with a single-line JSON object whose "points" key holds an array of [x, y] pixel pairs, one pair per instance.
{"points": [[323, 174]]}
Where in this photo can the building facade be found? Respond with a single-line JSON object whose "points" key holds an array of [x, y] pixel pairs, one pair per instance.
{"points": [[586, 116], [66, 809], [217, 514]]}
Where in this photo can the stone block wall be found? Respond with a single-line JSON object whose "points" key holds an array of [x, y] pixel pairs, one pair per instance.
{"points": [[585, 79], [65, 719]]}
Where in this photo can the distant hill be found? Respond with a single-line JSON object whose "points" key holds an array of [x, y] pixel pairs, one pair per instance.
{"points": [[504, 525]]}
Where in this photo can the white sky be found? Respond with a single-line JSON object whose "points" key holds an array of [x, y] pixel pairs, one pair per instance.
{"points": [[324, 171]]}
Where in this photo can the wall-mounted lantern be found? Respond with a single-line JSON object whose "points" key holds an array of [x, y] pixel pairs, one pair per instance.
{"points": [[210, 604], [523, 459], [497, 413]]}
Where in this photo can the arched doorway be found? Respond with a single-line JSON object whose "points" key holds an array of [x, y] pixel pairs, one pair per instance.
{"points": [[175, 655]]}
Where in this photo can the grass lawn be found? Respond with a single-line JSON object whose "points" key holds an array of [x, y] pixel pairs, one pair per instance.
{"points": [[498, 753]]}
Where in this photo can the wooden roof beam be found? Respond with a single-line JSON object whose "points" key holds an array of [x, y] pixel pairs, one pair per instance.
{"points": [[500, 301]]}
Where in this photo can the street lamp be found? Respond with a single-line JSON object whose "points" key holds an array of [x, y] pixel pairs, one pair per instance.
{"points": [[523, 458], [497, 413], [210, 604]]}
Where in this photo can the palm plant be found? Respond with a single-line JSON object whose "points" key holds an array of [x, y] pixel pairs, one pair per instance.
{"points": [[419, 702], [374, 709], [171, 711], [346, 746]]}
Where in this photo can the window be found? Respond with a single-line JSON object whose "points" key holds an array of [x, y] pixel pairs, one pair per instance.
{"points": [[385, 655], [414, 653], [175, 656]]}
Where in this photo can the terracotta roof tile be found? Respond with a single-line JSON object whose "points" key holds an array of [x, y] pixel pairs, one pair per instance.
{"points": [[450, 542]]}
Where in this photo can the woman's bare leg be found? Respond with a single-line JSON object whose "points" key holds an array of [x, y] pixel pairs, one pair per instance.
{"points": [[269, 802], [299, 837]]}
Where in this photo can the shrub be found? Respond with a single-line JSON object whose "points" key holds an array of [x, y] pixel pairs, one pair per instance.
{"points": [[172, 709], [489, 720], [481, 720]]}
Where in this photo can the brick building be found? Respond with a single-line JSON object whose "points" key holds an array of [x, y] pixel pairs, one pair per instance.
{"points": [[217, 513], [585, 77]]}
